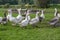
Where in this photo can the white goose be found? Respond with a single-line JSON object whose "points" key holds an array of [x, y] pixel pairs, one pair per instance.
{"points": [[55, 19], [42, 16], [35, 20], [19, 17], [11, 18], [26, 21]]}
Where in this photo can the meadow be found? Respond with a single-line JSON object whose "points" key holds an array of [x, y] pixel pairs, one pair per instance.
{"points": [[44, 32]]}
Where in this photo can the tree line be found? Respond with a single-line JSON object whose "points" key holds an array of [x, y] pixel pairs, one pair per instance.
{"points": [[38, 3], [13, 2]]}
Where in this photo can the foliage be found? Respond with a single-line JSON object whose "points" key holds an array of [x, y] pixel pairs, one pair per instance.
{"points": [[7, 5], [42, 3], [13, 2], [27, 1]]}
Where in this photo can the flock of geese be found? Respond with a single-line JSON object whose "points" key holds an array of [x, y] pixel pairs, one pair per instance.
{"points": [[24, 21]]}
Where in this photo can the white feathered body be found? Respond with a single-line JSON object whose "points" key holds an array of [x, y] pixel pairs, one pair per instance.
{"points": [[34, 20], [54, 20], [19, 18], [10, 17], [26, 21]]}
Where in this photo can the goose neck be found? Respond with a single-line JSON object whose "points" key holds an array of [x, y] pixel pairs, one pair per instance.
{"points": [[55, 13], [27, 16], [42, 12], [37, 14], [10, 13], [19, 13]]}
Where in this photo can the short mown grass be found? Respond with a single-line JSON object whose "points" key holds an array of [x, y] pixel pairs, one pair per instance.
{"points": [[44, 32]]}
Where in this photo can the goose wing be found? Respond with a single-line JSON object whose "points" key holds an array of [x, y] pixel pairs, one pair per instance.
{"points": [[24, 23], [34, 20], [53, 21]]}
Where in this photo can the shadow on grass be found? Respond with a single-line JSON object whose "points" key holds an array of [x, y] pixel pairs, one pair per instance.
{"points": [[0, 39], [3, 29]]}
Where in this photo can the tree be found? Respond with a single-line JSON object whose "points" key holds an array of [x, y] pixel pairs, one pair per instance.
{"points": [[25, 1], [19, 2], [41, 3], [13, 2]]}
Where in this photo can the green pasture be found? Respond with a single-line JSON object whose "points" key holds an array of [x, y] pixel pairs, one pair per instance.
{"points": [[44, 32]]}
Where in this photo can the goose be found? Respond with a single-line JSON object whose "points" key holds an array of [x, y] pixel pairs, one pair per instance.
{"points": [[34, 20], [42, 16], [55, 19], [11, 18], [19, 17], [25, 22]]}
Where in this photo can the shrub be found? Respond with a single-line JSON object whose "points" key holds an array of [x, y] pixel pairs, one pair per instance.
{"points": [[7, 5]]}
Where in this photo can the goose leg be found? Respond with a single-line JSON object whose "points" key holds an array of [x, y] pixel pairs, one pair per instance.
{"points": [[24, 27], [13, 24], [34, 25]]}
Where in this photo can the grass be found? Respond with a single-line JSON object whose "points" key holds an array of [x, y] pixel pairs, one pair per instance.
{"points": [[45, 32]]}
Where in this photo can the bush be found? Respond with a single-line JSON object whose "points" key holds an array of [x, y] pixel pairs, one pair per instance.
{"points": [[15, 6], [1, 6], [29, 6], [7, 5], [42, 3]]}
